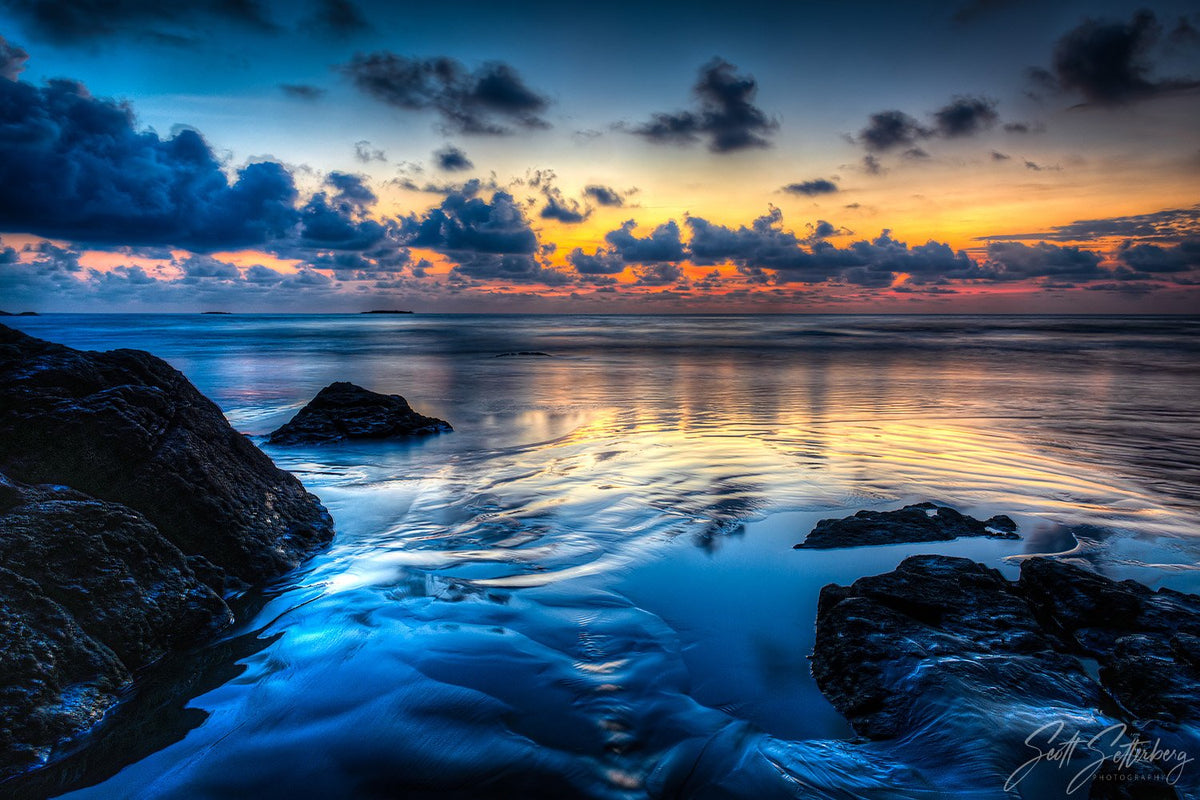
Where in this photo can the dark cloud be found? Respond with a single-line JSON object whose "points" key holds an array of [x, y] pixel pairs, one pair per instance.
{"points": [[364, 152], [563, 209], [83, 21], [1016, 261], [340, 221], [890, 129], [1018, 127], [1182, 257], [871, 165], [726, 115], [663, 244], [12, 60], [916, 154], [1108, 62], [302, 91], [965, 116], [493, 99], [812, 188], [1168, 225], [602, 262], [464, 224], [604, 195], [662, 274], [341, 17], [73, 166], [452, 159], [998, 156]]}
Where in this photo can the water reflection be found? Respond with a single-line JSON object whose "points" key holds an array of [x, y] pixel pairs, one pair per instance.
{"points": [[589, 588]]}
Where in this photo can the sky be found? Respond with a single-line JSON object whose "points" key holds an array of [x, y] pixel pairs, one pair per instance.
{"points": [[979, 156]]}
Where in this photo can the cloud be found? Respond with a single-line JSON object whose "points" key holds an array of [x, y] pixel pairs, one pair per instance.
{"points": [[998, 156], [12, 60], [1182, 257], [1168, 225], [602, 262], [340, 17], [493, 99], [562, 209], [364, 152], [604, 195], [965, 116], [890, 129], [725, 116], [1108, 62], [812, 188], [662, 245], [463, 225], [340, 221], [1015, 261], [452, 159], [82, 21], [871, 165], [658, 274], [302, 91], [73, 166]]}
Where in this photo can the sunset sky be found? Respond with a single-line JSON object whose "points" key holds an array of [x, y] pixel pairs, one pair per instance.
{"points": [[342, 155]]}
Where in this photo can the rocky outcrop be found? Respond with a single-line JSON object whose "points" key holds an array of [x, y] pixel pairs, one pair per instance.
{"points": [[945, 644], [126, 427], [921, 522], [128, 505], [89, 592], [344, 411]]}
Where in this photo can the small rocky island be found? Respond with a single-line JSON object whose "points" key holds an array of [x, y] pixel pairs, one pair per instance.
{"points": [[920, 522], [345, 411], [129, 508]]}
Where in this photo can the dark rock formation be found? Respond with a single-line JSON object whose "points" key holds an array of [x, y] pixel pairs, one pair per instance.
{"points": [[947, 644], [89, 592], [126, 427], [344, 411], [127, 504], [922, 522]]}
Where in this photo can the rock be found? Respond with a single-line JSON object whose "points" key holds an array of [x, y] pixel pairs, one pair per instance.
{"points": [[90, 592], [943, 652], [344, 411], [922, 522], [125, 427]]}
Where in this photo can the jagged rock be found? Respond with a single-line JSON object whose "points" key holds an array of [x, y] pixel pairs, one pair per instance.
{"points": [[345, 411], [921, 522], [126, 427], [944, 644], [90, 591]]}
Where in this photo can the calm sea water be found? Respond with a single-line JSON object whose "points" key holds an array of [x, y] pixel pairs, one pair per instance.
{"points": [[588, 589]]}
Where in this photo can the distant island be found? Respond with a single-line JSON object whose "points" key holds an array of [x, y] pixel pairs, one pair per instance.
{"points": [[386, 311], [22, 314], [216, 312]]}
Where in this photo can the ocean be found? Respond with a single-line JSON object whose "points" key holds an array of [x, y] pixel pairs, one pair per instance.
{"points": [[591, 581]]}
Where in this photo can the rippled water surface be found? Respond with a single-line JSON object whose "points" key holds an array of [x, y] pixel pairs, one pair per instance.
{"points": [[588, 589]]}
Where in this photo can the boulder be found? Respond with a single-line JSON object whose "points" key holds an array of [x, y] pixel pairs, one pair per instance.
{"points": [[90, 592], [125, 427], [345, 411], [921, 522], [945, 653]]}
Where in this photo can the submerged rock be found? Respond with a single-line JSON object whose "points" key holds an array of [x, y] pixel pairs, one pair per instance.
{"points": [[922, 522], [126, 427], [944, 652], [345, 411], [90, 591]]}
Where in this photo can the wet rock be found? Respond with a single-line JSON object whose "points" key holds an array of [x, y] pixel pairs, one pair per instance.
{"points": [[943, 652], [921, 522], [90, 591], [345, 411], [1147, 642], [935, 626], [126, 427]]}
